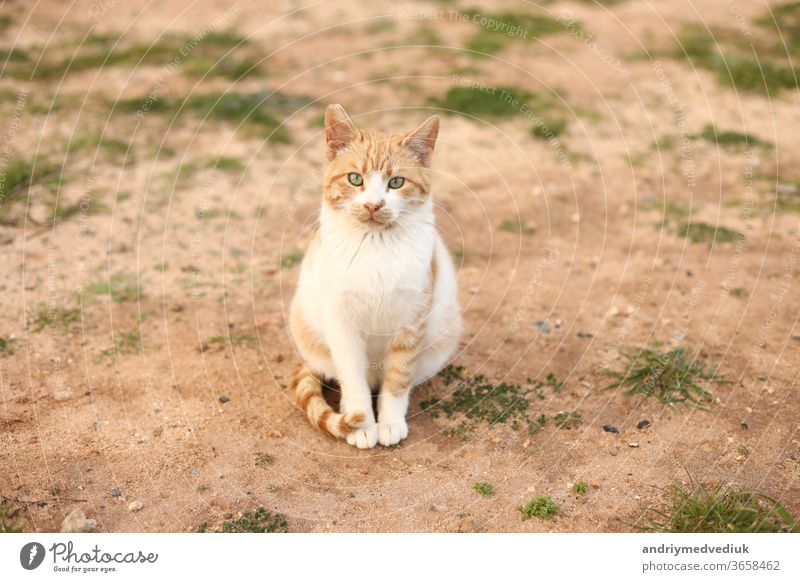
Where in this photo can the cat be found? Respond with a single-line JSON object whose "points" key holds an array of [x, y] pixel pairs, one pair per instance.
{"points": [[376, 307]]}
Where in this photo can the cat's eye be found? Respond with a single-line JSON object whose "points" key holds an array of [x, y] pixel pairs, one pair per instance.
{"points": [[396, 182], [355, 179]]}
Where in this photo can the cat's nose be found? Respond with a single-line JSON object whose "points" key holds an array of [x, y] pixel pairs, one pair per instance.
{"points": [[373, 207]]}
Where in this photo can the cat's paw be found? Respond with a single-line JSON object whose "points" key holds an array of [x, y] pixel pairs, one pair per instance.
{"points": [[391, 433], [364, 437]]}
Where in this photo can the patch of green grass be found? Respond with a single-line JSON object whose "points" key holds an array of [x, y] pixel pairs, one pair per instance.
{"points": [[495, 104], [699, 232], [258, 521], [548, 129], [580, 488], [8, 520], [671, 377], [227, 39], [100, 142], [6, 346], [568, 420], [14, 55], [717, 509], [516, 27], [67, 211], [60, 318], [380, 25], [125, 344], [264, 460], [728, 138], [738, 292], [19, 177], [541, 507], [483, 488], [119, 287], [235, 338], [219, 53], [729, 55], [504, 102], [478, 400], [291, 259], [516, 227], [784, 21], [227, 164], [424, 35], [259, 109]]}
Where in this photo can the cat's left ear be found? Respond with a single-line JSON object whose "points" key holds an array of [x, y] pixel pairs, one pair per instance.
{"points": [[422, 140]]}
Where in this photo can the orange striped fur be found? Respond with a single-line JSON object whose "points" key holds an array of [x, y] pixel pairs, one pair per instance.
{"points": [[307, 389]]}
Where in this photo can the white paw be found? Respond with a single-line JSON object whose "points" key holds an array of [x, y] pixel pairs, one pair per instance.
{"points": [[364, 437], [391, 433]]}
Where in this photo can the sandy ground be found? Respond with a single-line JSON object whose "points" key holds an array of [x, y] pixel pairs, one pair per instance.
{"points": [[78, 421]]}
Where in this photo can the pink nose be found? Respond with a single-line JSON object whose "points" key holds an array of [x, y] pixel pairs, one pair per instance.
{"points": [[373, 207]]}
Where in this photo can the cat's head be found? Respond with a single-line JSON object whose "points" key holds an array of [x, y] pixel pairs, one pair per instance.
{"points": [[377, 180]]}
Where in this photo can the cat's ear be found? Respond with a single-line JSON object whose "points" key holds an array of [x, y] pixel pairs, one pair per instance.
{"points": [[339, 130], [422, 140]]}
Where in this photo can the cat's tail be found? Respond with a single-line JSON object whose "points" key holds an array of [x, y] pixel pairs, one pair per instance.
{"points": [[308, 394]]}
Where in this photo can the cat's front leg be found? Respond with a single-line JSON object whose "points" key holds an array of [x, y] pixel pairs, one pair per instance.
{"points": [[400, 362], [349, 353]]}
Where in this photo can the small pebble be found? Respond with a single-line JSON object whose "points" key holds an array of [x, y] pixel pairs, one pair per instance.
{"points": [[585, 334], [610, 428], [558, 323], [224, 398], [744, 426], [135, 506], [633, 445], [116, 492], [614, 452], [643, 424]]}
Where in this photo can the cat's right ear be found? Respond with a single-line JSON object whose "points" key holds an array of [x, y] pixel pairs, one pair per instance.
{"points": [[339, 130]]}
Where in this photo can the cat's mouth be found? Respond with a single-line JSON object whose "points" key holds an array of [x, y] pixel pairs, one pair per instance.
{"points": [[375, 220]]}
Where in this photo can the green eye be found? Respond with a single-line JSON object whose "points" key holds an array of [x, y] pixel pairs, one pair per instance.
{"points": [[355, 179], [396, 182]]}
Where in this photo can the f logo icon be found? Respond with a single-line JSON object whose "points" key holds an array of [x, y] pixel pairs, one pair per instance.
{"points": [[31, 555]]}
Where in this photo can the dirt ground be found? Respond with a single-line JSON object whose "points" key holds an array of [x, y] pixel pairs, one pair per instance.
{"points": [[119, 393]]}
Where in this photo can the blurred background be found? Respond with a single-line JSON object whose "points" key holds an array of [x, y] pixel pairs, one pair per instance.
{"points": [[618, 184]]}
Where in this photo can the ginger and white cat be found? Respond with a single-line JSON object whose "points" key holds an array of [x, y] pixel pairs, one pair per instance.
{"points": [[376, 307]]}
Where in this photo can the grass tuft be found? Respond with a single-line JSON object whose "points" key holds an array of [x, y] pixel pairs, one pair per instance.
{"points": [[19, 176], [541, 507], [699, 232], [120, 287], [729, 138], [291, 259], [479, 401], [671, 377], [515, 27], [568, 420], [260, 109], [60, 318], [580, 488], [483, 488], [258, 521], [698, 509]]}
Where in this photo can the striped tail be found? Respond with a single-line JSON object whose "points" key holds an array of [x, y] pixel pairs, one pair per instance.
{"points": [[308, 394]]}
